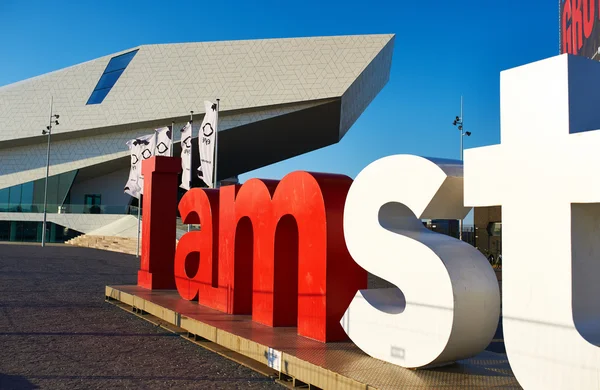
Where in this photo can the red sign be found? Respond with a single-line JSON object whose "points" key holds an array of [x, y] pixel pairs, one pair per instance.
{"points": [[580, 27], [275, 250]]}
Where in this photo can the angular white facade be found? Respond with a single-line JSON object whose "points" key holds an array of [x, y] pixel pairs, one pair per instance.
{"points": [[278, 98]]}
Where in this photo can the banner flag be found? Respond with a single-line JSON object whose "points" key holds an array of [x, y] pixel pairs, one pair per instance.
{"points": [[186, 156], [131, 187], [207, 143], [164, 141], [147, 145]]}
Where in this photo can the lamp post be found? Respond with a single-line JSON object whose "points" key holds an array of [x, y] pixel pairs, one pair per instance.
{"points": [[48, 131], [458, 121]]}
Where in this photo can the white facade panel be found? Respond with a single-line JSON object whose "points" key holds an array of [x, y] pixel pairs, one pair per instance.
{"points": [[166, 81]]}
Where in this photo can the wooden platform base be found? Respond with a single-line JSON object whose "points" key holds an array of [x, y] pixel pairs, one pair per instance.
{"points": [[303, 362]]}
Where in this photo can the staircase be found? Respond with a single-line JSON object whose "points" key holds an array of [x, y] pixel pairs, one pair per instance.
{"points": [[107, 243], [124, 239]]}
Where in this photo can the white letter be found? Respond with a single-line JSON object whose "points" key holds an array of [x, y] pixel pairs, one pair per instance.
{"points": [[547, 183], [447, 303]]}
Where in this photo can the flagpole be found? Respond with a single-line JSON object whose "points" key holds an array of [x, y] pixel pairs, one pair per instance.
{"points": [[216, 145], [192, 135], [137, 248], [172, 138]]}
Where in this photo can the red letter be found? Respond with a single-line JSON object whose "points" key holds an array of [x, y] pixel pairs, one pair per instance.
{"points": [[589, 16], [158, 229], [303, 274], [577, 26], [236, 243], [196, 264], [567, 35], [282, 253]]}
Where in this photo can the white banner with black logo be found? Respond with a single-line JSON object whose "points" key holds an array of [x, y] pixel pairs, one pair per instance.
{"points": [[186, 156], [206, 141], [132, 187], [164, 141], [147, 145]]}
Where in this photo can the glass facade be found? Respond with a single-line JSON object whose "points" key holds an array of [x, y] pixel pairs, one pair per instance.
{"points": [[116, 66], [29, 197], [494, 229], [31, 231]]}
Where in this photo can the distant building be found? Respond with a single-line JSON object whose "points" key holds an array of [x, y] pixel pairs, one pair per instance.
{"points": [[230, 181], [448, 227], [488, 231], [279, 98]]}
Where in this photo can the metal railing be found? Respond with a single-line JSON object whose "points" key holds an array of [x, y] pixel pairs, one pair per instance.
{"points": [[68, 209]]}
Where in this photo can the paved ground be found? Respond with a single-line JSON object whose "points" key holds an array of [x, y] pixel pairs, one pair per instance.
{"points": [[57, 332]]}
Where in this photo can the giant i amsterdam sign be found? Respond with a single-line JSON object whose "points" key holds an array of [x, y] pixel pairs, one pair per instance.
{"points": [[296, 252]]}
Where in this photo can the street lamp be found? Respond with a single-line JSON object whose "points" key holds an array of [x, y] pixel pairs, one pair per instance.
{"points": [[458, 121], [48, 132]]}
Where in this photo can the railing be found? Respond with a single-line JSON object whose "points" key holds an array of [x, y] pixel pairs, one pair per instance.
{"points": [[68, 209]]}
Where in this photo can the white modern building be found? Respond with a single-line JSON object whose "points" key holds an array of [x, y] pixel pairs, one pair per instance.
{"points": [[279, 98]]}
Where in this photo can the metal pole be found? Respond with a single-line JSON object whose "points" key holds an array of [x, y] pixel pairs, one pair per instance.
{"points": [[172, 138], [47, 172], [137, 248], [462, 124], [192, 131], [216, 145], [462, 130]]}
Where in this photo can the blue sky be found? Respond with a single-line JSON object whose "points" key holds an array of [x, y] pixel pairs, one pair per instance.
{"points": [[443, 49]]}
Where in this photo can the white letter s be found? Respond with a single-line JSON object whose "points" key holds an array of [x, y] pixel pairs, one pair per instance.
{"points": [[447, 303]]}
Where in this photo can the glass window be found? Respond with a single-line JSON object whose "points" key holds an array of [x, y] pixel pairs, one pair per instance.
{"points": [[15, 198], [98, 96], [495, 229], [30, 231], [4, 199], [109, 79], [65, 182], [116, 66], [27, 196], [4, 230], [120, 62], [92, 204], [52, 193]]}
